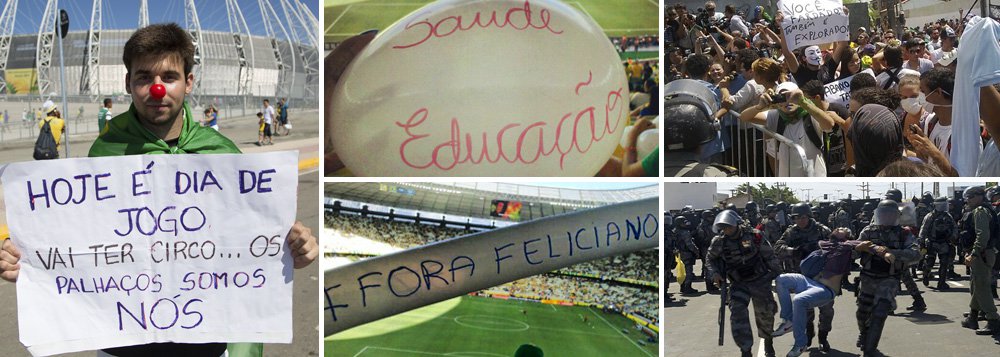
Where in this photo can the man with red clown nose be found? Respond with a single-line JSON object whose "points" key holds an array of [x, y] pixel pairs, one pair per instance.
{"points": [[158, 60]]}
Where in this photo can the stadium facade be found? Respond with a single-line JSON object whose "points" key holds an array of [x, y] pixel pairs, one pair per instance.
{"points": [[230, 66]]}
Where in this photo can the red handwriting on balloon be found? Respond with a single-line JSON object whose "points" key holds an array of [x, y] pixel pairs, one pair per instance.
{"points": [[519, 18], [574, 132]]}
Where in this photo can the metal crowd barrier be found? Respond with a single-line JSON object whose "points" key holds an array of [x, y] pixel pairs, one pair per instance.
{"points": [[748, 150]]}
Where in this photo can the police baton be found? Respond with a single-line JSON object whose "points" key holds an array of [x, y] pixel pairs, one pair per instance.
{"points": [[723, 294]]}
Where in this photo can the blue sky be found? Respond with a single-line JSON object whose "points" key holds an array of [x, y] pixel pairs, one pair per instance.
{"points": [[877, 188], [593, 185], [124, 14]]}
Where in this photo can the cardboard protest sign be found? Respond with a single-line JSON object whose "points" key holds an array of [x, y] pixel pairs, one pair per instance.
{"points": [[505, 105], [813, 22], [371, 289], [838, 91], [131, 250]]}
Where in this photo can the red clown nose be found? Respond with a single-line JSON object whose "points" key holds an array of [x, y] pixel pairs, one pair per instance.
{"points": [[157, 91]]}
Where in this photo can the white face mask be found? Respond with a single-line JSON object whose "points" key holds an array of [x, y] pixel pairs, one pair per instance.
{"points": [[913, 105], [928, 106]]}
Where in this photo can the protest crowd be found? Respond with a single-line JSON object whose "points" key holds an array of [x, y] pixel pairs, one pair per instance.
{"points": [[794, 94], [868, 247]]}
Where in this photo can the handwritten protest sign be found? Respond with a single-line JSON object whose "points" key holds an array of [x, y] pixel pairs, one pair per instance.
{"points": [[482, 88], [838, 91], [379, 287], [813, 22], [131, 250]]}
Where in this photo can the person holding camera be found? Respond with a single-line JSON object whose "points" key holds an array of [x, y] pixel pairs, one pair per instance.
{"points": [[786, 111]]}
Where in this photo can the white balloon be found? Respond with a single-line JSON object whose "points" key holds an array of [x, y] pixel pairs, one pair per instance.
{"points": [[647, 142], [482, 88], [656, 122], [624, 140]]}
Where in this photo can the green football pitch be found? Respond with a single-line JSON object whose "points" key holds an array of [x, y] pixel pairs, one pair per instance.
{"points": [[345, 18], [476, 326]]}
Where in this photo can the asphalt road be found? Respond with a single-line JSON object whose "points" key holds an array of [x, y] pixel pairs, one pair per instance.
{"points": [[306, 282], [691, 329]]}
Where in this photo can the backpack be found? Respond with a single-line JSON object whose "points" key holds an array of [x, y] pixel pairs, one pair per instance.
{"points": [[941, 226], [814, 263], [810, 133], [45, 145], [967, 236]]}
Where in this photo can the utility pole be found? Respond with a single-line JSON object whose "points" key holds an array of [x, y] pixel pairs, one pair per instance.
{"points": [[808, 194], [865, 188]]}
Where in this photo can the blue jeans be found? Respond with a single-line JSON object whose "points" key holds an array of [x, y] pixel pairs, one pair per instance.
{"points": [[809, 294]]}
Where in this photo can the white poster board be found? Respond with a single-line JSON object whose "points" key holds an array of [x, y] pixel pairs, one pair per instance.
{"points": [[838, 91], [129, 250], [386, 285], [813, 22]]}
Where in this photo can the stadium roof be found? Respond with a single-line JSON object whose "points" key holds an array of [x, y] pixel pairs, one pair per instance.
{"points": [[474, 199]]}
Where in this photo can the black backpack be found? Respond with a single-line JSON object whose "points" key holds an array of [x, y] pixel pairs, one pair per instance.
{"points": [[967, 236], [831, 145], [45, 146], [941, 226]]}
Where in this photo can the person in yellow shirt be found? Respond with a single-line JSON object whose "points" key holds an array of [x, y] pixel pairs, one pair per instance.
{"points": [[56, 124], [634, 70]]}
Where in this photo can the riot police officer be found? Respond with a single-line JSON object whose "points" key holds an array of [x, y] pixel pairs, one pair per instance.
{"points": [[782, 208], [800, 239], [863, 218], [980, 254], [748, 262], [772, 228], [842, 217], [937, 237], [882, 262], [687, 127], [702, 238], [908, 223], [688, 251], [751, 214], [926, 205]]}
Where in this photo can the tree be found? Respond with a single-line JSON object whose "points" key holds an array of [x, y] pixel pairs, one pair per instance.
{"points": [[762, 192]]}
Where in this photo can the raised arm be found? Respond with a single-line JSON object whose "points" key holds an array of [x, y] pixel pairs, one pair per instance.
{"points": [[757, 114], [989, 102], [790, 60]]}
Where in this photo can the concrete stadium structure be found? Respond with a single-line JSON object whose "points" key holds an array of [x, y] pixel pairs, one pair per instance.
{"points": [[473, 199], [231, 66]]}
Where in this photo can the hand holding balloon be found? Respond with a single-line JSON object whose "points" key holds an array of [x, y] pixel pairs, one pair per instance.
{"points": [[336, 62], [444, 92]]}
